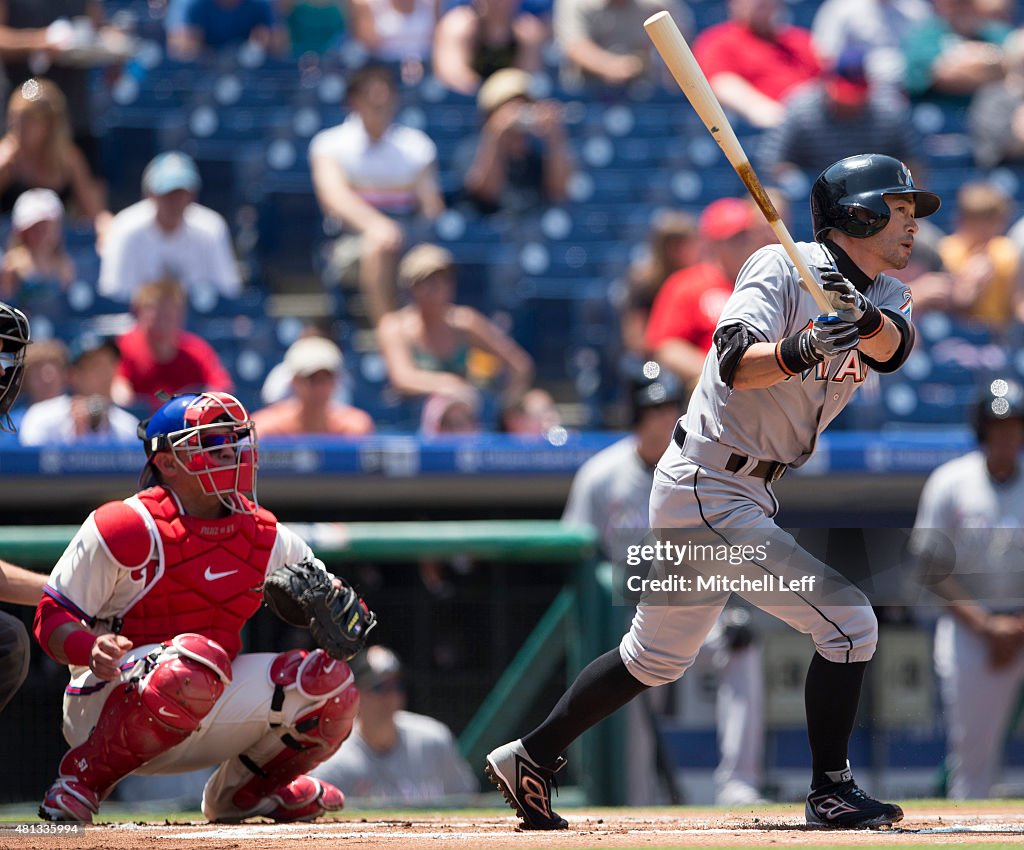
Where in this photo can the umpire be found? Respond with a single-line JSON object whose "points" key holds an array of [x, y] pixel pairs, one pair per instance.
{"points": [[773, 381], [17, 585]]}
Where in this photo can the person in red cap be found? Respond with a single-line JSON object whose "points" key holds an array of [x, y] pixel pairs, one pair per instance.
{"points": [[684, 315], [838, 116]]}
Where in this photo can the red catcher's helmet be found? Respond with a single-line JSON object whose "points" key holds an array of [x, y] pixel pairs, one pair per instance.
{"points": [[198, 428]]}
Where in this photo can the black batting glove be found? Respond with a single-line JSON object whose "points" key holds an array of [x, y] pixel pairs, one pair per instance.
{"points": [[824, 339], [851, 304]]}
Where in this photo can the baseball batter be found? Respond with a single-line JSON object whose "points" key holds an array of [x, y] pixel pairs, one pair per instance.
{"points": [[610, 493], [146, 607], [969, 536], [776, 377]]}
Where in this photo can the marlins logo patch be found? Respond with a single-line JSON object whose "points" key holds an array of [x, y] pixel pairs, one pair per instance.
{"points": [[908, 303]]}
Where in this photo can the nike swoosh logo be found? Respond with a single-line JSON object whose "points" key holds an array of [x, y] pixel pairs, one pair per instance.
{"points": [[210, 575], [329, 667], [162, 710]]}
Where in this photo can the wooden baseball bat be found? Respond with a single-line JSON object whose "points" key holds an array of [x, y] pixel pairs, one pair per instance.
{"points": [[679, 58]]}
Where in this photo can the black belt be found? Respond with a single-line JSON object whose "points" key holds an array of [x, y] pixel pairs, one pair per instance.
{"points": [[769, 470]]}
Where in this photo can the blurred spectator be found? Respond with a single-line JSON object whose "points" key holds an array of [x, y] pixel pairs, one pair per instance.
{"points": [[37, 153], [33, 44], [521, 159], [878, 27], [427, 344], [396, 31], [316, 366], [840, 115], [476, 39], [955, 52], [981, 259], [534, 413], [168, 234], [46, 371], [87, 414], [672, 244], [277, 386], [754, 60], [36, 258], [159, 354], [394, 757], [370, 174], [451, 413], [604, 41], [314, 26], [214, 24], [686, 311], [996, 115]]}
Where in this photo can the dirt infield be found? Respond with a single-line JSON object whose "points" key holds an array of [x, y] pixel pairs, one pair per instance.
{"points": [[604, 828]]}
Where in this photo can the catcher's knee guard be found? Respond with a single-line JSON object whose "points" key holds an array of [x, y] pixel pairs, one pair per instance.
{"points": [[177, 687], [315, 734]]}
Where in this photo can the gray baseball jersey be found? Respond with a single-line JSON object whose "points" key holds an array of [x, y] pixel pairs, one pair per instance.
{"points": [[984, 520], [610, 494], [782, 422]]}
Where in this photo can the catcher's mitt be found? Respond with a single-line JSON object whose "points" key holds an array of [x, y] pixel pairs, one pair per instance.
{"points": [[307, 596]]}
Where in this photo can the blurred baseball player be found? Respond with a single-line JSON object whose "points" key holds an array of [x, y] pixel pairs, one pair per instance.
{"points": [[146, 607], [610, 493], [17, 585], [969, 537], [774, 379]]}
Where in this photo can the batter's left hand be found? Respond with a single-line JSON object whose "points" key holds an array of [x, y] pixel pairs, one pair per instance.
{"points": [[845, 298]]}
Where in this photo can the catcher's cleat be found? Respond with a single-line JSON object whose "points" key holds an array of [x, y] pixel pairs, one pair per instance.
{"points": [[843, 805], [69, 801], [525, 785], [304, 799]]}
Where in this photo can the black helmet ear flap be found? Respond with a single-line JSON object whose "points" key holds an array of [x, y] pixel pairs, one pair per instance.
{"points": [[15, 336]]}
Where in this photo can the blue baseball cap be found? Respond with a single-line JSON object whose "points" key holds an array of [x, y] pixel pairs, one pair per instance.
{"points": [[170, 171]]}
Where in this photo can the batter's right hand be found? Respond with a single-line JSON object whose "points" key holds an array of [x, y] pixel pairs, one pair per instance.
{"points": [[829, 336], [106, 654]]}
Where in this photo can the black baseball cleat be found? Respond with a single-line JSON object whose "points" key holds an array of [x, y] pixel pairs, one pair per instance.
{"points": [[525, 785], [843, 805]]}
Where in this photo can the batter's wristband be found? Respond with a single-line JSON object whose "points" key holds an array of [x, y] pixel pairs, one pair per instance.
{"points": [[78, 647], [796, 354], [870, 323]]}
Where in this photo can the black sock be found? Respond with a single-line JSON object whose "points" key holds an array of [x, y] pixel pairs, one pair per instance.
{"points": [[602, 687], [831, 694]]}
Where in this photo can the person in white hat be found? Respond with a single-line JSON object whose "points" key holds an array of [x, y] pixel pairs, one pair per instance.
{"points": [[169, 234], [316, 365], [36, 255]]}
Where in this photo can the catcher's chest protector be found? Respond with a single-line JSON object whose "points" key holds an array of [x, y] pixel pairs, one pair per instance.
{"points": [[212, 574]]}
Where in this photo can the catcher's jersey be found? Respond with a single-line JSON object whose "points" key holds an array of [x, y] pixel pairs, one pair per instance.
{"points": [[984, 520], [782, 422], [89, 579]]}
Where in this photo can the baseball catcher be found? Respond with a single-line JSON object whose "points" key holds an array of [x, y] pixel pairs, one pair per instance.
{"points": [[146, 607]]}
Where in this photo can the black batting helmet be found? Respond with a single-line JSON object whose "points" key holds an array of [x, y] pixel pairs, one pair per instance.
{"points": [[848, 195], [1001, 398], [653, 386]]}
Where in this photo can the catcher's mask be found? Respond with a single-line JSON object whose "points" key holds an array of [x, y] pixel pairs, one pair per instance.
{"points": [[15, 335], [197, 429], [849, 195]]}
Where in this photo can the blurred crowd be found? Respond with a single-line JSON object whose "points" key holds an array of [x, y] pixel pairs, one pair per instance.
{"points": [[846, 82]]}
